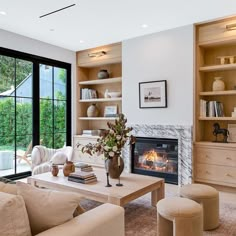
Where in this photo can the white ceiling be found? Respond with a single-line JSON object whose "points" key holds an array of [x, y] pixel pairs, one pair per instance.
{"points": [[100, 22]]}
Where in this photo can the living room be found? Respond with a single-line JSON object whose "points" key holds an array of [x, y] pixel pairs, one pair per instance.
{"points": [[158, 45]]}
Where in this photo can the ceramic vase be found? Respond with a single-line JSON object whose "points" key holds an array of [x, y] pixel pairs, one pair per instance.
{"points": [[92, 111], [103, 74], [218, 84], [112, 167], [54, 170], [68, 168]]}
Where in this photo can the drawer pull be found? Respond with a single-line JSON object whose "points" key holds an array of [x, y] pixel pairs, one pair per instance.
{"points": [[207, 172], [228, 158], [207, 157], [228, 175]]}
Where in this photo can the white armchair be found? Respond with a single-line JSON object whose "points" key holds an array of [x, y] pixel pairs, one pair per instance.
{"points": [[43, 157]]}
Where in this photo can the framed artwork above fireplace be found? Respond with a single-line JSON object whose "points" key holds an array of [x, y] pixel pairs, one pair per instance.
{"points": [[153, 94]]}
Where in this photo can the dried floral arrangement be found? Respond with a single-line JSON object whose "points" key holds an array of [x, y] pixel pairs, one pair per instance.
{"points": [[112, 140]]}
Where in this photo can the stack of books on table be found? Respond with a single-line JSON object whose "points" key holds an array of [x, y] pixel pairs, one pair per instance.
{"points": [[83, 167], [82, 177]]}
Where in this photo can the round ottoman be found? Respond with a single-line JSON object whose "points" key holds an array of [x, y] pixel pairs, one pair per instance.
{"points": [[208, 197], [179, 217]]}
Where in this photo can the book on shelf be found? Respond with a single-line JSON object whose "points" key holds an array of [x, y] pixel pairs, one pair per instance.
{"points": [[90, 132], [87, 93], [211, 108]]}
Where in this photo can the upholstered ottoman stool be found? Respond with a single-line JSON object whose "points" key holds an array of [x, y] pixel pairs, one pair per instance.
{"points": [[208, 197], [179, 217]]}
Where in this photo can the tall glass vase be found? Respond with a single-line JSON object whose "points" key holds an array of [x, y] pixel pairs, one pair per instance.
{"points": [[114, 166]]}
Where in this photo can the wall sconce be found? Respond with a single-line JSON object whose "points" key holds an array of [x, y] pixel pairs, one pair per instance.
{"points": [[231, 27], [97, 54]]}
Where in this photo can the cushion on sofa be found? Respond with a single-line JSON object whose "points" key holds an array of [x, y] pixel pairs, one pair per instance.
{"points": [[8, 188], [47, 208], [14, 219], [59, 158]]}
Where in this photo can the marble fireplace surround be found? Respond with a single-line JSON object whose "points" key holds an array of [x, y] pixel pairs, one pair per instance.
{"points": [[180, 132]]}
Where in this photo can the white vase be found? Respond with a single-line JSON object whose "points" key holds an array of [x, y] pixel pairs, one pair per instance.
{"points": [[218, 84], [92, 111]]}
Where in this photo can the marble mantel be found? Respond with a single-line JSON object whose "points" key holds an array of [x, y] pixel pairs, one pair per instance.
{"points": [[180, 132]]}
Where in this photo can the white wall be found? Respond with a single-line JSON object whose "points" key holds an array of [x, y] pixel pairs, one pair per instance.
{"points": [[24, 44], [166, 55]]}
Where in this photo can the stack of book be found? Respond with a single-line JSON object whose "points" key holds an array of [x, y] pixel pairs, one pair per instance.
{"points": [[90, 132], [84, 167], [211, 108], [87, 93], [82, 177]]}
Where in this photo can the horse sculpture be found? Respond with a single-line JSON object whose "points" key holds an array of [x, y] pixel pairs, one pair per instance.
{"points": [[217, 130]]}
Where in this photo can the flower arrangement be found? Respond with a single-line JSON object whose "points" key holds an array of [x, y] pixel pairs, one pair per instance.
{"points": [[112, 140]]}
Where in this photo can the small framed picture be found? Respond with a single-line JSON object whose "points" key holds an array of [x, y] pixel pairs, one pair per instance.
{"points": [[153, 94], [110, 111], [232, 133]]}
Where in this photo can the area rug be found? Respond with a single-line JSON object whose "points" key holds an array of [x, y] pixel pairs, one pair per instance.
{"points": [[140, 218]]}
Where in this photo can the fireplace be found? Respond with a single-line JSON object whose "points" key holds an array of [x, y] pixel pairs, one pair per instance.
{"points": [[156, 157]]}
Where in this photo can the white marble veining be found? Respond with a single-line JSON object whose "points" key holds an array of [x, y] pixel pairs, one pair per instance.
{"points": [[180, 132]]}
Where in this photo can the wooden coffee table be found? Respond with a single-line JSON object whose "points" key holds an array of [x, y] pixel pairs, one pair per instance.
{"points": [[134, 186]]}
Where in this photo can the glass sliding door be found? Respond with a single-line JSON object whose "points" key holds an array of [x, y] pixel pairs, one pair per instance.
{"points": [[35, 108], [15, 115], [53, 104]]}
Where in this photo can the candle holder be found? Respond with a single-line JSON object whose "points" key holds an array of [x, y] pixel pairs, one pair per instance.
{"points": [[108, 184], [119, 184]]}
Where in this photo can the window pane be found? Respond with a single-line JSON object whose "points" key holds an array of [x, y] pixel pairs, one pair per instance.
{"points": [[7, 151], [7, 76], [45, 76], [47, 139], [7, 117], [59, 83], [46, 116], [23, 153], [23, 116], [59, 140], [24, 76], [59, 116]]}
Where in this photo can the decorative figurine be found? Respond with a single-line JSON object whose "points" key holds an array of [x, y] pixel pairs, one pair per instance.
{"points": [[217, 130]]}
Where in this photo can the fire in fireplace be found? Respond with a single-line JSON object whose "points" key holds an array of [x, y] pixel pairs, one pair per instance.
{"points": [[156, 157]]}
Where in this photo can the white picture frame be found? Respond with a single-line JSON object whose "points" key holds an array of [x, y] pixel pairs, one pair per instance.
{"points": [[110, 111], [232, 133]]}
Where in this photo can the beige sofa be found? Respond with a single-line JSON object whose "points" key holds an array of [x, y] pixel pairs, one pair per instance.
{"points": [[104, 220]]}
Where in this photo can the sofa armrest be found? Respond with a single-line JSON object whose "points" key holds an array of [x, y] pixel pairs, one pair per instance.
{"points": [[104, 220]]}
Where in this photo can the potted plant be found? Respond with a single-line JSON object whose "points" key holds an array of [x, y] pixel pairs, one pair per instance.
{"points": [[110, 144]]}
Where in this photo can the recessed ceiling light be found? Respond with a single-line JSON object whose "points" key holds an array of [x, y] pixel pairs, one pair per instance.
{"points": [[52, 30], [3, 13], [81, 41], [144, 25]]}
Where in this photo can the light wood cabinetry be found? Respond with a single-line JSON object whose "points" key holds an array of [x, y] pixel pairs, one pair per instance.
{"points": [[89, 63], [214, 162]]}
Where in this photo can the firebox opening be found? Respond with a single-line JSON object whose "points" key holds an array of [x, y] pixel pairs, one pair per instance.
{"points": [[156, 157]]}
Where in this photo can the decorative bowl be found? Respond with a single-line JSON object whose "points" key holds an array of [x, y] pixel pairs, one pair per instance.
{"points": [[114, 94]]}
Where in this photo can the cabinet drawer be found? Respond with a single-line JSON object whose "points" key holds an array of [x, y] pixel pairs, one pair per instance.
{"points": [[225, 157], [113, 55], [216, 32], [215, 173]]}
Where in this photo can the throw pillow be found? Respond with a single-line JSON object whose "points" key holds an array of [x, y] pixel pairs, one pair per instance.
{"points": [[14, 220], [59, 158], [47, 208]]}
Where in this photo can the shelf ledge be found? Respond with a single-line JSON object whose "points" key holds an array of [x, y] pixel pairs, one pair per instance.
{"points": [[101, 81], [217, 118], [213, 93], [97, 118], [101, 100], [218, 67]]}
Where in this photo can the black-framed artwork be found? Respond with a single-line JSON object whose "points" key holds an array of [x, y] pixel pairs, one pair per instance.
{"points": [[153, 94]]}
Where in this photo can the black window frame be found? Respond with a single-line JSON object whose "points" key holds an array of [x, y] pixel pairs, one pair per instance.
{"points": [[37, 60]]}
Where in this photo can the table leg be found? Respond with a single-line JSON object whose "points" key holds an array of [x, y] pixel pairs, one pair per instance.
{"points": [[158, 194]]}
